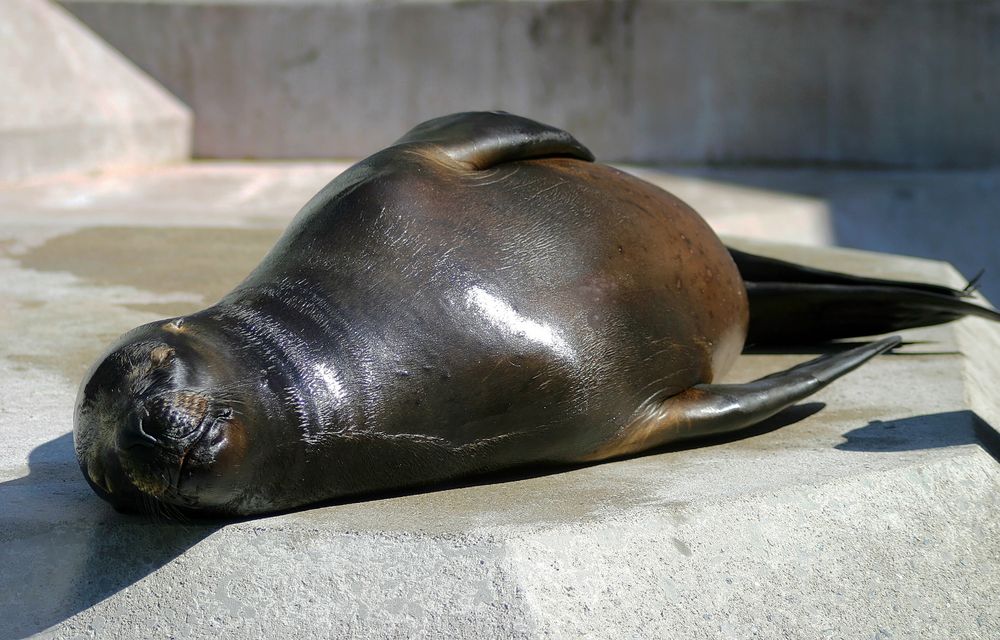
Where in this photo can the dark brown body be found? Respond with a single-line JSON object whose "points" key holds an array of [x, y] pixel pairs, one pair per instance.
{"points": [[527, 310], [475, 297]]}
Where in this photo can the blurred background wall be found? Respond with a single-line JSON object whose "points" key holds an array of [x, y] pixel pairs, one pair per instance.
{"points": [[860, 83]]}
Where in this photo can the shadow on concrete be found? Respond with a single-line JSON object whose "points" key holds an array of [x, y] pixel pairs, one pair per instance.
{"points": [[932, 431], [62, 550]]}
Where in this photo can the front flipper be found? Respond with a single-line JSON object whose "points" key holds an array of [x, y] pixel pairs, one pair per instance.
{"points": [[711, 409], [482, 139]]}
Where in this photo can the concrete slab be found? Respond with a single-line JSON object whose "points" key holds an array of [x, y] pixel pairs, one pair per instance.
{"points": [[872, 516], [71, 103], [893, 83]]}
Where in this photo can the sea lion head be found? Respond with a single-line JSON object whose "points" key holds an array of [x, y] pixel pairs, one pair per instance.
{"points": [[160, 420]]}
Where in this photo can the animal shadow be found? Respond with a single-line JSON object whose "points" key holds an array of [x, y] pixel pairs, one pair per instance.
{"points": [[63, 550], [930, 431]]}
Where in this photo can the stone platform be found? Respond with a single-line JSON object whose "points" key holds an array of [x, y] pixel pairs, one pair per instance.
{"points": [[870, 511]]}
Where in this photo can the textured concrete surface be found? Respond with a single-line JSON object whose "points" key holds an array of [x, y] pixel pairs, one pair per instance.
{"points": [[69, 102], [894, 82], [871, 512]]}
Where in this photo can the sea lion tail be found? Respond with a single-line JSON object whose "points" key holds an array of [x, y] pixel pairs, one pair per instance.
{"points": [[793, 304]]}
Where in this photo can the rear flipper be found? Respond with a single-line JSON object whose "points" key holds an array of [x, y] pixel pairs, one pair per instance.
{"points": [[792, 304], [711, 409]]}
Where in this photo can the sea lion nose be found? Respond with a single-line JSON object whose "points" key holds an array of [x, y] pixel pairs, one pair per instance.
{"points": [[165, 420], [133, 433]]}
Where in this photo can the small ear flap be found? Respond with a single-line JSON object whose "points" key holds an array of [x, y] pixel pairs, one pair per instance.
{"points": [[482, 139]]}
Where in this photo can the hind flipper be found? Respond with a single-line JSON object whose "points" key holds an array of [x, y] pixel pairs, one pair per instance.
{"points": [[482, 139], [755, 268], [711, 409], [793, 304], [792, 313]]}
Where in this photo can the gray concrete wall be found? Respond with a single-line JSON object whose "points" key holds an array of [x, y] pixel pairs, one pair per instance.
{"points": [[886, 83], [69, 102]]}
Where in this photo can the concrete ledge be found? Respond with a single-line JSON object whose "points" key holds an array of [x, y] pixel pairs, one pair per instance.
{"points": [[903, 550], [891, 83], [870, 512], [71, 103]]}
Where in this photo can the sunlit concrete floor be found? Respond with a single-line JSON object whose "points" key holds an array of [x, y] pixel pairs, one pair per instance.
{"points": [[871, 512]]}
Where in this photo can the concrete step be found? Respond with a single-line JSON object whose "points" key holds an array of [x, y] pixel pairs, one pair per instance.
{"points": [[71, 103], [871, 516], [893, 83]]}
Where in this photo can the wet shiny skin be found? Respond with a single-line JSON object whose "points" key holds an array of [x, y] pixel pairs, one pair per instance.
{"points": [[422, 320]]}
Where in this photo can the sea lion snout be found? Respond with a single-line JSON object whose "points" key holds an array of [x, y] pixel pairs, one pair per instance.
{"points": [[175, 417], [170, 420], [179, 449], [152, 419]]}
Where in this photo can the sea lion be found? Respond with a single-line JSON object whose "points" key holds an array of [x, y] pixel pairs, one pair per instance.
{"points": [[479, 295]]}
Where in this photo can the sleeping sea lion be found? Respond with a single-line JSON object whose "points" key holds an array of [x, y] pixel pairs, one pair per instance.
{"points": [[478, 296]]}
